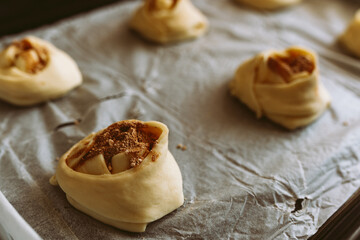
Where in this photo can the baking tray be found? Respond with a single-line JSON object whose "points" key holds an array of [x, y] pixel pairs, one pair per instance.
{"points": [[244, 178]]}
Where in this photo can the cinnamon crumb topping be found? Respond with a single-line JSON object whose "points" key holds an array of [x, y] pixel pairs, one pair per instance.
{"points": [[131, 137], [290, 65]]}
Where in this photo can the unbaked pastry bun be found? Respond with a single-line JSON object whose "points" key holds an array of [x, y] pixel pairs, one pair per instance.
{"points": [[351, 37], [123, 175], [269, 4], [283, 86], [33, 70], [166, 21]]}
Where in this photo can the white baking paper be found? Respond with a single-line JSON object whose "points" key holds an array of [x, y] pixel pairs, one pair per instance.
{"points": [[242, 176]]}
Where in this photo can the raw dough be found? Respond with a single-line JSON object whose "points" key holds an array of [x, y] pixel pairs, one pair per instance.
{"points": [[166, 21], [351, 37], [269, 4], [284, 86], [33, 70], [127, 195]]}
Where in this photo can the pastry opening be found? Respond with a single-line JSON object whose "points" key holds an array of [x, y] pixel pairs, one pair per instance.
{"points": [[154, 5], [119, 147], [294, 62], [26, 56]]}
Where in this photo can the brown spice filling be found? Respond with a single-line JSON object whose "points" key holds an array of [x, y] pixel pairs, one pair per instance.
{"points": [[133, 138], [290, 65], [24, 47], [157, 5]]}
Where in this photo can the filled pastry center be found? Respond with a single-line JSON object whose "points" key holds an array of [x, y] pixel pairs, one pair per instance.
{"points": [[119, 147], [26, 56], [162, 4], [291, 64]]}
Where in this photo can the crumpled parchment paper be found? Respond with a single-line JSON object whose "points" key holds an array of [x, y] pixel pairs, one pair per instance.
{"points": [[242, 176]]}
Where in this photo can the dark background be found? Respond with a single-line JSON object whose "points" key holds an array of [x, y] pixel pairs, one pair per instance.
{"points": [[20, 15]]}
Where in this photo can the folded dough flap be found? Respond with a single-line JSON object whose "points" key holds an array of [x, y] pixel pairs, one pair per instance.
{"points": [[126, 173], [33, 70], [351, 37], [74, 155], [243, 84], [95, 165], [169, 20], [289, 65], [290, 83], [282, 85], [120, 162], [28, 55], [117, 148], [301, 98], [132, 227]]}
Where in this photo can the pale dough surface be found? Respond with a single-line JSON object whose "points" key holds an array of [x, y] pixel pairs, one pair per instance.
{"points": [[269, 4], [169, 21], [351, 37], [292, 105], [60, 75], [131, 199]]}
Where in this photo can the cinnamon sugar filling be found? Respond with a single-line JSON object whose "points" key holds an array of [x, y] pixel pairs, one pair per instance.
{"points": [[292, 64], [133, 138], [162, 4], [29, 57]]}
